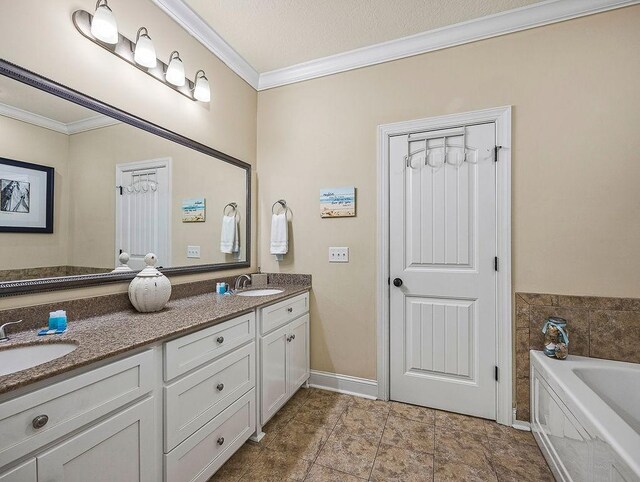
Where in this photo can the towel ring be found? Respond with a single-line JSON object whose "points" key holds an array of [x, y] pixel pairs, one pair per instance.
{"points": [[233, 206], [282, 203]]}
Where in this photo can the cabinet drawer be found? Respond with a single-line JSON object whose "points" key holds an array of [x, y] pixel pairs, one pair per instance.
{"points": [[278, 314], [200, 396], [193, 350], [70, 404], [198, 457]]}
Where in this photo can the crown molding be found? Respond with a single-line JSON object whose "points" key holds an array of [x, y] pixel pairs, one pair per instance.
{"points": [[75, 127], [181, 13], [524, 18]]}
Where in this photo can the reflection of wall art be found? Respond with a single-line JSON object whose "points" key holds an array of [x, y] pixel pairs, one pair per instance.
{"points": [[338, 202], [26, 197], [193, 210]]}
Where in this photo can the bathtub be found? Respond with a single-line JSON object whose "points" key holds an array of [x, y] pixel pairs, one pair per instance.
{"points": [[585, 416]]}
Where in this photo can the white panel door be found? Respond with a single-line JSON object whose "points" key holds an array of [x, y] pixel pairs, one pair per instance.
{"points": [[121, 448], [275, 381], [298, 359], [442, 250], [143, 219]]}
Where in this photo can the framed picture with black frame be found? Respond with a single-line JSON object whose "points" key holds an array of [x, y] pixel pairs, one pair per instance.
{"points": [[26, 197]]}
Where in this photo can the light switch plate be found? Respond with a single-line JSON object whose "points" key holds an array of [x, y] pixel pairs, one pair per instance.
{"points": [[193, 251], [338, 255]]}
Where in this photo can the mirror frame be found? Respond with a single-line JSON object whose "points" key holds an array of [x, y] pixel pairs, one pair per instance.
{"points": [[10, 288]]}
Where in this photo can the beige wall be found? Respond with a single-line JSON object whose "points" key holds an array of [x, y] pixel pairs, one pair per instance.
{"points": [[92, 165], [574, 89], [40, 36], [28, 143]]}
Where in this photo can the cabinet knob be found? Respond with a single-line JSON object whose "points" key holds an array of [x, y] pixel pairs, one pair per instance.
{"points": [[290, 310], [220, 339], [397, 282], [289, 339], [220, 440], [40, 421], [293, 337], [220, 387]]}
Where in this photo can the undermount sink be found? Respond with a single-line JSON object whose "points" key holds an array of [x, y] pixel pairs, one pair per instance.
{"points": [[263, 292], [22, 357]]}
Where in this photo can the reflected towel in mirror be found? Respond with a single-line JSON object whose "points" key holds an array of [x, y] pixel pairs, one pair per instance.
{"points": [[230, 236]]}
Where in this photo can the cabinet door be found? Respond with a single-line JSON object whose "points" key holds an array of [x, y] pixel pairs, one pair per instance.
{"points": [[121, 448], [298, 346], [23, 473], [275, 388]]}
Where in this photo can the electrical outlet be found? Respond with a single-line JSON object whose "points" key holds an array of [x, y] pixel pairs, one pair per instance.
{"points": [[193, 251], [338, 255]]}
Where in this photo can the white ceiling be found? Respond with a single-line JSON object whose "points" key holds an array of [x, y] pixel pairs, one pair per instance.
{"points": [[273, 34]]}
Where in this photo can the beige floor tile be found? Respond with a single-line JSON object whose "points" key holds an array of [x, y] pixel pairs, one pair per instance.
{"points": [[463, 447], [447, 471], [409, 434], [497, 431], [362, 423], [274, 466], [413, 412], [300, 440], [378, 406], [394, 464], [238, 464], [348, 453], [456, 421], [517, 461], [322, 415], [319, 473]]}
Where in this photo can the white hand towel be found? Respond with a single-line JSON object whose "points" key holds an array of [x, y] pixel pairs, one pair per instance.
{"points": [[279, 234], [229, 236]]}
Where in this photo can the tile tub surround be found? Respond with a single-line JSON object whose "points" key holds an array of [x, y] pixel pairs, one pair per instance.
{"points": [[599, 327], [356, 439], [105, 335]]}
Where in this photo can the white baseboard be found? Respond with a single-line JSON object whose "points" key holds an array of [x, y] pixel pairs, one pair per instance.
{"points": [[520, 424], [361, 387]]}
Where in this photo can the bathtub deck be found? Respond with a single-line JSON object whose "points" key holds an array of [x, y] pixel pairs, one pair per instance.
{"points": [[325, 436]]}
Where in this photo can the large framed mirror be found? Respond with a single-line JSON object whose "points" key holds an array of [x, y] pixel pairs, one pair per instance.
{"points": [[87, 190]]}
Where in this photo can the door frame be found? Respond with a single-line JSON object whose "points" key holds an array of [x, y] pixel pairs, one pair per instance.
{"points": [[162, 162], [504, 344]]}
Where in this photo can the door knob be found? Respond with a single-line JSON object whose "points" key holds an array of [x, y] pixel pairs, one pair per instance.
{"points": [[397, 282]]}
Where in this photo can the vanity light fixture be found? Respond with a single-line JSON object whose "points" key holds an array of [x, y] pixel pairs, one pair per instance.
{"points": [[175, 70], [103, 24], [202, 91], [145, 52]]}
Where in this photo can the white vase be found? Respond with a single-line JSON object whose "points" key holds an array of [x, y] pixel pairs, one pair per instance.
{"points": [[150, 289]]}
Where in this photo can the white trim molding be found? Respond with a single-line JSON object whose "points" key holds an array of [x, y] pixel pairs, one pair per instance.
{"points": [[501, 116], [531, 16], [361, 387], [189, 20], [74, 127]]}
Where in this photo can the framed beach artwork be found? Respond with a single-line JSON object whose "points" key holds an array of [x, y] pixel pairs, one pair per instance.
{"points": [[338, 202], [26, 197], [194, 210]]}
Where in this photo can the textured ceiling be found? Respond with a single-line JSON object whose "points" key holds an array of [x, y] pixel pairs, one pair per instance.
{"points": [[272, 34]]}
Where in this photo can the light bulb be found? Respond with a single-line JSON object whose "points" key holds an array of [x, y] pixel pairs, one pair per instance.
{"points": [[175, 70], [145, 52], [103, 25], [202, 91]]}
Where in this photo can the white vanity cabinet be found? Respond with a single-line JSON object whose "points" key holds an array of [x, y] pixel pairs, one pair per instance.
{"points": [[284, 352]]}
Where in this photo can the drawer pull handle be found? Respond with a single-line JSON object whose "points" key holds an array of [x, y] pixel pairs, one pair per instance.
{"points": [[220, 339], [290, 310], [220, 440], [40, 421], [220, 387]]}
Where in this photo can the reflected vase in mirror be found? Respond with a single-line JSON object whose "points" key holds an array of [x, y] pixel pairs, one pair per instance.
{"points": [[150, 290]]}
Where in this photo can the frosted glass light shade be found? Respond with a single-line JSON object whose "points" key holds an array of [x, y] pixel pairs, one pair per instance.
{"points": [[145, 52], [202, 91], [103, 25], [175, 70]]}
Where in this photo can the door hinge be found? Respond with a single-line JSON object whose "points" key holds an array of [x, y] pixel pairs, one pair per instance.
{"points": [[495, 373], [119, 189], [495, 263], [389, 281], [120, 251], [495, 153]]}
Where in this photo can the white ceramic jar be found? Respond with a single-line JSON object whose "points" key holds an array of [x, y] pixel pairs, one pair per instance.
{"points": [[150, 289]]}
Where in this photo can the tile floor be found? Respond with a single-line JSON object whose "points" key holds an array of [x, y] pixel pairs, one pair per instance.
{"points": [[322, 436]]}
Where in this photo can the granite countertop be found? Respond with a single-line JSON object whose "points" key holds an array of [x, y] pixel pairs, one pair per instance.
{"points": [[105, 336]]}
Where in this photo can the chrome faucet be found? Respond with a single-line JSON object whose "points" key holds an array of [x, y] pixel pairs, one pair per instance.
{"points": [[3, 335], [239, 283]]}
